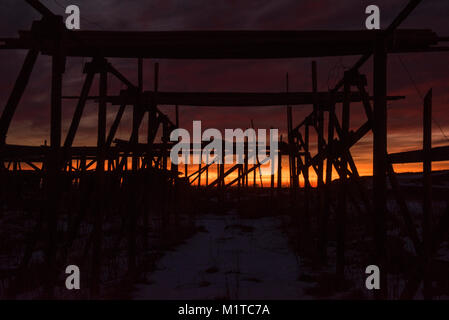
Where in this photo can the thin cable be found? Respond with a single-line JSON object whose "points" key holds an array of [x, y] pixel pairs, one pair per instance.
{"points": [[410, 77], [421, 95]]}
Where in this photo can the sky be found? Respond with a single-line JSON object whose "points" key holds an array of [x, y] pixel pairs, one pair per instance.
{"points": [[411, 75]]}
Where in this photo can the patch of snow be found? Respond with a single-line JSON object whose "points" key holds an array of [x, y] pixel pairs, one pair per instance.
{"points": [[236, 259]]}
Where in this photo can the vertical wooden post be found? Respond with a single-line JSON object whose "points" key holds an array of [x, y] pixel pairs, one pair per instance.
{"points": [[174, 167], [254, 177], [327, 195], [239, 177], [152, 117], [380, 160], [218, 171], [306, 177], [139, 85], [154, 105], [53, 174], [140, 74], [292, 164], [165, 139], [56, 106], [131, 189], [137, 109], [272, 164], [199, 169], [207, 168], [83, 163], [16, 93], [323, 209], [342, 201], [101, 139], [246, 176], [165, 155], [427, 201], [319, 121], [156, 77], [98, 221], [280, 164], [90, 69], [133, 182], [140, 92], [222, 165], [115, 124], [139, 95]]}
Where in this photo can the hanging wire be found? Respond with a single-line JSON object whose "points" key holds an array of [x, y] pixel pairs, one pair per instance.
{"points": [[410, 77], [421, 95]]}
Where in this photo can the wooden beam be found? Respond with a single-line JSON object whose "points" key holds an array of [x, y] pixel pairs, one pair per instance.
{"points": [[79, 108], [279, 182], [380, 162], [415, 156], [427, 195], [231, 44], [319, 125], [51, 183], [43, 10], [342, 201], [97, 232], [327, 195], [114, 126], [306, 180], [235, 99], [17, 93]]}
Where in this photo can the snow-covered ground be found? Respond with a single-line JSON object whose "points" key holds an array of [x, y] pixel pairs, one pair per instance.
{"points": [[234, 258]]}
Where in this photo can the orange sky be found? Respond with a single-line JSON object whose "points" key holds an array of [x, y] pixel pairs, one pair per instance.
{"points": [[365, 169]]}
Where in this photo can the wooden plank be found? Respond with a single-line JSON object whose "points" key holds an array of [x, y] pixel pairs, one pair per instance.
{"points": [[120, 76], [380, 161], [236, 44], [246, 173], [17, 93], [342, 201], [427, 196], [279, 182], [51, 183], [236, 99], [43, 10], [79, 109], [327, 195], [97, 233], [415, 156], [306, 179], [114, 126], [291, 159], [319, 125], [305, 146]]}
